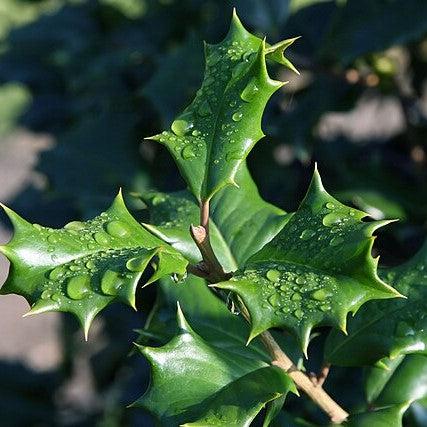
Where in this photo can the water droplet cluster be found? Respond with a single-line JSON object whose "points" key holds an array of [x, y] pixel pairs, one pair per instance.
{"points": [[104, 273], [321, 236], [289, 290], [189, 132]]}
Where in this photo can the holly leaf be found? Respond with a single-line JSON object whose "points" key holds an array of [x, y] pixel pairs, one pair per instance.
{"points": [[195, 383], [387, 329], [84, 266], [316, 269], [391, 389], [241, 222], [216, 132]]}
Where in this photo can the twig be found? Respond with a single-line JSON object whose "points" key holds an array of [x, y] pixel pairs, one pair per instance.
{"points": [[215, 273]]}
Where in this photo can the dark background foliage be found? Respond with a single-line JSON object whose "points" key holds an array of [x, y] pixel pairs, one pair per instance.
{"points": [[82, 82]]}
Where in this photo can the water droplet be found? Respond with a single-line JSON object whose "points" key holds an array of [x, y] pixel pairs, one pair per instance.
{"points": [[196, 132], [46, 294], [250, 91], [336, 241], [101, 238], [137, 264], [56, 297], [110, 282], [237, 116], [273, 275], [75, 225], [320, 295], [188, 152], [52, 239], [90, 265], [56, 273], [78, 286], [182, 125], [307, 234], [299, 314], [300, 280], [117, 229], [330, 205], [331, 219], [404, 329], [296, 297], [274, 300], [204, 109]]}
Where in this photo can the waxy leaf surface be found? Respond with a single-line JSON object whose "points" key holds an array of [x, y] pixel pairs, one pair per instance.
{"points": [[197, 383], [387, 328], [84, 266], [316, 269], [391, 389], [216, 132], [241, 222]]}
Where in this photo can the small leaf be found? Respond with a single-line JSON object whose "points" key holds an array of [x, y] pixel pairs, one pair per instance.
{"points": [[387, 329], [216, 132], [193, 380], [317, 269], [84, 266]]}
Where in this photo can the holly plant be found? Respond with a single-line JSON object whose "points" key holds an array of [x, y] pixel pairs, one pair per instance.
{"points": [[241, 283]]}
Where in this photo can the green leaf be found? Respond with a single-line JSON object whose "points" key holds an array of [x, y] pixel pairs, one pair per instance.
{"points": [[209, 317], [241, 222], [197, 383], [387, 329], [391, 389], [216, 132], [317, 269], [84, 266], [385, 417]]}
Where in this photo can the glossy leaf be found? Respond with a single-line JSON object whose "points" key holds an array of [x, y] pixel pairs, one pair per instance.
{"points": [[317, 269], [215, 133], [387, 329], [215, 382], [84, 266], [241, 221], [391, 389]]}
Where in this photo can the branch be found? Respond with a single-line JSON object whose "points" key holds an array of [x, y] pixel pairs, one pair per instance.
{"points": [[303, 382], [214, 273]]}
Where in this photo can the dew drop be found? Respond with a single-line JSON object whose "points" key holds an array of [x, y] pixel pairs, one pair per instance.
{"points": [[181, 126], [299, 314], [300, 280], [75, 225], [188, 152], [237, 116], [56, 273], [250, 91], [78, 286], [273, 275], [196, 132], [137, 264], [56, 297], [274, 300], [204, 109], [45, 294], [296, 297], [110, 282], [101, 238], [52, 239], [117, 229], [330, 205], [320, 295], [90, 265], [331, 219]]}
